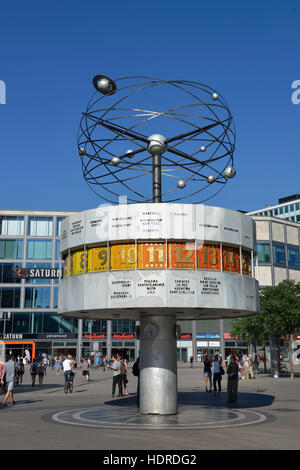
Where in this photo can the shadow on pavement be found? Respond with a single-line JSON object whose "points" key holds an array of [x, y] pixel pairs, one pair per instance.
{"points": [[203, 399], [28, 388]]}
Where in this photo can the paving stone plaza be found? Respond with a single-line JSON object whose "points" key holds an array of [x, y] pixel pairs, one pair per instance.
{"points": [[265, 417]]}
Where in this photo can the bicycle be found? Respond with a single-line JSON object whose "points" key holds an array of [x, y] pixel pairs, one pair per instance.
{"points": [[69, 383]]}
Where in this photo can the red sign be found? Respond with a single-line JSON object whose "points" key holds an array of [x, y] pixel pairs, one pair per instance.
{"points": [[94, 336], [227, 336], [186, 336], [123, 336]]}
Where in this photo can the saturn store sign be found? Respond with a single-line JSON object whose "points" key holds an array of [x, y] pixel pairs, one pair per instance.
{"points": [[36, 273]]}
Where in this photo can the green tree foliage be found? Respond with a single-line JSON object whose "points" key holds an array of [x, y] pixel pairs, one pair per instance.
{"points": [[280, 307], [279, 312]]}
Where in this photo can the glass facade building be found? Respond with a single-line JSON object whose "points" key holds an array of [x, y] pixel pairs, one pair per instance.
{"points": [[288, 208]]}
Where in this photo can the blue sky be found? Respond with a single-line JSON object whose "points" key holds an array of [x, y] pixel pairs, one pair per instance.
{"points": [[50, 52]]}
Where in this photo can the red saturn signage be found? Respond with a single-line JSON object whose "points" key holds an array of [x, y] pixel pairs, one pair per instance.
{"points": [[94, 336], [123, 335]]}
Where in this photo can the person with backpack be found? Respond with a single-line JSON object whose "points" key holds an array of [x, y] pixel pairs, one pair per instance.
{"points": [[41, 372], [123, 376], [233, 380], [33, 371]]}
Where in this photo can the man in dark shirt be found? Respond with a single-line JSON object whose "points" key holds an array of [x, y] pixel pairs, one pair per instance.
{"points": [[233, 380], [116, 367]]}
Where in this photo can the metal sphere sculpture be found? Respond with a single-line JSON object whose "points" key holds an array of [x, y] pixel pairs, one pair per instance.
{"points": [[179, 132]]}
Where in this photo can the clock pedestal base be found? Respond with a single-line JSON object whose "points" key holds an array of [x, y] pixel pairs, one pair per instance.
{"points": [[158, 365]]}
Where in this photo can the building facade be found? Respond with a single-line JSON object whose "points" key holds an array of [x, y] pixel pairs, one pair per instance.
{"points": [[30, 241], [288, 208]]}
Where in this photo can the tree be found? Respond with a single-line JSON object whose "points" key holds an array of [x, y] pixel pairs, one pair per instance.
{"points": [[252, 329], [279, 313], [280, 305]]}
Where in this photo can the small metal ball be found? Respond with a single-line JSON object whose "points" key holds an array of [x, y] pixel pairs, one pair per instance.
{"points": [[229, 172], [203, 148], [215, 96], [211, 179], [181, 184], [115, 161], [104, 85], [129, 153], [81, 151]]}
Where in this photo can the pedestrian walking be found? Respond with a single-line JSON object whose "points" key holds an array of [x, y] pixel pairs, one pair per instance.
{"points": [[246, 365], [85, 370], [123, 376], [233, 379], [251, 366], [89, 369], [9, 369], [191, 362], [33, 371], [57, 366], [2, 375], [45, 364], [207, 373], [116, 367], [217, 370], [41, 372], [21, 371]]}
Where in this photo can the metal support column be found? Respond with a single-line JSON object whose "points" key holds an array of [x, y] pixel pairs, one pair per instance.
{"points": [[156, 178], [108, 339], [79, 341], [158, 366]]}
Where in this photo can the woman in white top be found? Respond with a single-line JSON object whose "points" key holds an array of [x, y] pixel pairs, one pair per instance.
{"points": [[217, 364]]}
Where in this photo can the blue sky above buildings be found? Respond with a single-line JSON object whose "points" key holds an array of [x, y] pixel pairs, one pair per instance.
{"points": [[50, 52]]}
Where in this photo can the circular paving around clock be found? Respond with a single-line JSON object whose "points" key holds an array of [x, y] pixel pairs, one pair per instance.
{"points": [[188, 417]]}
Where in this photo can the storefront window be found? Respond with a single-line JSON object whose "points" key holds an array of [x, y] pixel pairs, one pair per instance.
{"points": [[293, 257], [21, 322], [11, 249], [123, 326], [39, 249], [279, 254], [263, 253], [40, 226], [36, 322], [55, 297], [37, 297], [58, 225], [51, 323], [6, 273], [68, 325], [10, 297], [10, 225], [57, 248]]}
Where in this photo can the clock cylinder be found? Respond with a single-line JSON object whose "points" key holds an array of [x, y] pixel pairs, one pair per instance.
{"points": [[158, 365]]}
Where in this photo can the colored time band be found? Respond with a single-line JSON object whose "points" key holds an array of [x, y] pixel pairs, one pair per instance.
{"points": [[159, 256]]}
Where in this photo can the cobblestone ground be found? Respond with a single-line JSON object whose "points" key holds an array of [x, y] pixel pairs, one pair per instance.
{"points": [[267, 415]]}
